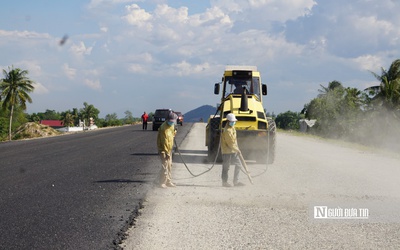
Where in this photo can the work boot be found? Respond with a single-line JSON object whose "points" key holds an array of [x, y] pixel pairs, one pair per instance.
{"points": [[226, 184], [238, 184]]}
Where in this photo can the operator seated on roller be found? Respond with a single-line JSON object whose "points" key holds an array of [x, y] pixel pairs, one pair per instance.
{"points": [[230, 151], [238, 89]]}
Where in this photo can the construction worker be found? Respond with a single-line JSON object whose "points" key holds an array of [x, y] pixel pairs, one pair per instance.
{"points": [[165, 143], [145, 117], [230, 151]]}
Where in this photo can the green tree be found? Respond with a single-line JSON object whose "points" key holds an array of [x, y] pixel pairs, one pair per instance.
{"points": [[331, 87], [112, 120], [128, 117], [151, 116], [3, 127], [68, 119], [15, 87], [89, 111], [51, 115], [387, 93], [33, 117], [47, 115], [288, 120], [75, 114], [336, 109]]}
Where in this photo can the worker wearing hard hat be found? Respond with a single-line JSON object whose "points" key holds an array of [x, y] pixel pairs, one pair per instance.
{"points": [[230, 150], [165, 143]]}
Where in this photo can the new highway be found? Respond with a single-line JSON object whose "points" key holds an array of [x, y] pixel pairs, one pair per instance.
{"points": [[77, 191]]}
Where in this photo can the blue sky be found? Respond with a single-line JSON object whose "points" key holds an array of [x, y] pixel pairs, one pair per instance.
{"points": [[142, 55]]}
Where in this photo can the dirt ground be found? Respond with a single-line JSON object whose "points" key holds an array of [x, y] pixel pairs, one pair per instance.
{"points": [[34, 130]]}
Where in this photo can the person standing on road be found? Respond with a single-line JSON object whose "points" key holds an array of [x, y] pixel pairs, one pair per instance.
{"points": [[165, 143], [230, 151], [145, 117]]}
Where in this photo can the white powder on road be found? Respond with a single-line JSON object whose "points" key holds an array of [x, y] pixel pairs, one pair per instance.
{"points": [[277, 211]]}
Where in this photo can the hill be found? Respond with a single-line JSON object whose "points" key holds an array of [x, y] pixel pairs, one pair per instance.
{"points": [[200, 113]]}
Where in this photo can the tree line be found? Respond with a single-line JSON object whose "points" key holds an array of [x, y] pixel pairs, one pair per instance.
{"points": [[15, 87], [75, 116], [370, 116]]}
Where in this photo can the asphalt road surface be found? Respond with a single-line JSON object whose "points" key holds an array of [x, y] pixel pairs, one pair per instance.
{"points": [[78, 191], [318, 194]]}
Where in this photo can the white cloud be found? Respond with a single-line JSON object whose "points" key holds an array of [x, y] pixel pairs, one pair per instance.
{"points": [[369, 62], [93, 84], [23, 34], [144, 57], [92, 72], [139, 63], [137, 68], [39, 88], [80, 49], [361, 25], [122, 1], [283, 10], [33, 67], [184, 68], [213, 17], [104, 29], [271, 10], [68, 71], [97, 3], [234, 6], [138, 17], [376, 30], [171, 15]]}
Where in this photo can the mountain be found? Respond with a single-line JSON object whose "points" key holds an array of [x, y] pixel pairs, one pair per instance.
{"points": [[200, 113]]}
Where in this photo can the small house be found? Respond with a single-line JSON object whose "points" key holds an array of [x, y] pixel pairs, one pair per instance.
{"points": [[52, 123]]}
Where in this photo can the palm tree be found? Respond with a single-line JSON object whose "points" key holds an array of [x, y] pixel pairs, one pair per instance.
{"points": [[68, 119], [387, 93], [331, 86], [392, 74], [354, 97], [89, 111], [15, 88]]}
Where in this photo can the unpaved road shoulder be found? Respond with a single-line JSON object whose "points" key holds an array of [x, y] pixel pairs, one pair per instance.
{"points": [[277, 212]]}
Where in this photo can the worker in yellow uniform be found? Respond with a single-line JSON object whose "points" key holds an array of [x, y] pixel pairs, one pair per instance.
{"points": [[165, 143], [230, 151]]}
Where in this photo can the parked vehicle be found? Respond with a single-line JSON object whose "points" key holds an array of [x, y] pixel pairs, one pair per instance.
{"points": [[160, 116], [179, 120]]}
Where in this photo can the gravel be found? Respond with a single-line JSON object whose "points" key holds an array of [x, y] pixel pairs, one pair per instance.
{"points": [[277, 212]]}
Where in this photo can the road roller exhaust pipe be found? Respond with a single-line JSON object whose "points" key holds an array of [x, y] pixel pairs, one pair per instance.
{"points": [[244, 103]]}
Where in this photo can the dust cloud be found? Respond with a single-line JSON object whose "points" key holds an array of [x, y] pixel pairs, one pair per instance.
{"points": [[380, 130]]}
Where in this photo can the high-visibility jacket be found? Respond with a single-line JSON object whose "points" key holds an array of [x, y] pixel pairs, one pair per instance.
{"points": [[165, 138], [229, 141], [145, 117]]}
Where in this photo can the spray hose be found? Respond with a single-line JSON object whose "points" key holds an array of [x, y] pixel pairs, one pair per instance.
{"points": [[215, 160], [184, 163]]}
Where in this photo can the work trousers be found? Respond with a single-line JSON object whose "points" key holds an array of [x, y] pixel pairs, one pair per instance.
{"points": [[144, 125], [165, 175], [228, 159]]}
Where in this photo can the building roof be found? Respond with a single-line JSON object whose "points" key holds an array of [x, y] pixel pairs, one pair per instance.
{"points": [[52, 123]]}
